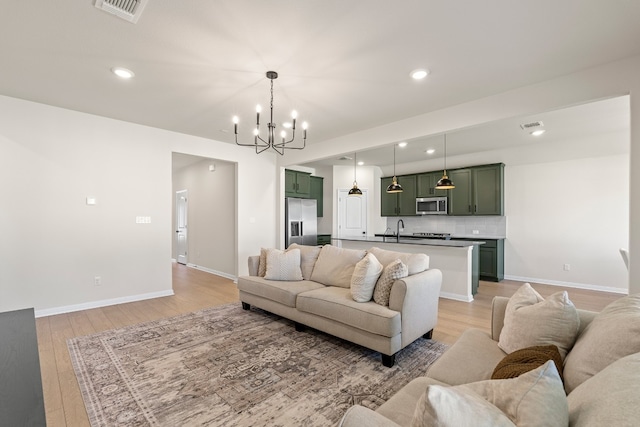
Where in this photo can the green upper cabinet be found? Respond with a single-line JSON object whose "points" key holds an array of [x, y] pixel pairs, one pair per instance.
{"points": [[427, 185], [317, 192], [297, 184], [479, 190], [396, 204], [460, 198]]}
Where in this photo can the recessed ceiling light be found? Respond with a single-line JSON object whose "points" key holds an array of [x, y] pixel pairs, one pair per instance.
{"points": [[123, 73], [360, 163], [431, 151], [402, 144], [419, 74], [538, 132]]}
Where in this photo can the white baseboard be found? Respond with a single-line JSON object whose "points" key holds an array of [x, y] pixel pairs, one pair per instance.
{"points": [[101, 303], [216, 272], [456, 297], [569, 284]]}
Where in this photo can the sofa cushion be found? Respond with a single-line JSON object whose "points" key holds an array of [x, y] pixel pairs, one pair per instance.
{"points": [[610, 398], [525, 360], [335, 266], [364, 278], [476, 351], [416, 263], [531, 320], [535, 398], [282, 292], [308, 258], [335, 303], [283, 265], [613, 334], [401, 406], [393, 271]]}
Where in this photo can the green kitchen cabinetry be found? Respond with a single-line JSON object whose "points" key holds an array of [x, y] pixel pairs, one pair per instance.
{"points": [[479, 190], [316, 192], [427, 185], [324, 239], [491, 258], [398, 204], [297, 184]]}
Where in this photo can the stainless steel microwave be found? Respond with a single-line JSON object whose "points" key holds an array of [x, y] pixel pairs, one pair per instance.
{"points": [[431, 206]]}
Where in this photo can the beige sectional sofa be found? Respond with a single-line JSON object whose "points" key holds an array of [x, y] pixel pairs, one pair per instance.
{"points": [[323, 300], [601, 377]]}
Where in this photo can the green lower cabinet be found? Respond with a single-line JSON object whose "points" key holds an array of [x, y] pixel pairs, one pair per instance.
{"points": [[324, 239], [490, 259]]}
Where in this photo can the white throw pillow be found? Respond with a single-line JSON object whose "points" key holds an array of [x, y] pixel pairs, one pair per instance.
{"points": [[382, 292], [364, 278], [534, 399], [530, 320], [416, 263], [611, 335], [283, 265]]}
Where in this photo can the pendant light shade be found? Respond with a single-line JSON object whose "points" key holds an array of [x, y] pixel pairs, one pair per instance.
{"points": [[394, 187], [355, 191], [445, 183]]}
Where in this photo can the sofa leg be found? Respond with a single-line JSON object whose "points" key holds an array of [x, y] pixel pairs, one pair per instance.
{"points": [[299, 327], [246, 306], [428, 335], [388, 361]]}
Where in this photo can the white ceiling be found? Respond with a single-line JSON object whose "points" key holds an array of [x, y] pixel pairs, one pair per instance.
{"points": [[343, 65]]}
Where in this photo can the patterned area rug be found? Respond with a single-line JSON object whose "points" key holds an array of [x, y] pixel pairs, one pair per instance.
{"points": [[225, 366]]}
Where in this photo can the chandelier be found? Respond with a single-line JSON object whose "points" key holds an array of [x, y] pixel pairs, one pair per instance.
{"points": [[259, 143]]}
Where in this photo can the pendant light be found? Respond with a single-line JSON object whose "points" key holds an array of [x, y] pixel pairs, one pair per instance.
{"points": [[445, 183], [394, 187], [355, 191]]}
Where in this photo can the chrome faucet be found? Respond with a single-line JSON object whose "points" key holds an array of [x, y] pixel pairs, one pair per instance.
{"points": [[398, 229]]}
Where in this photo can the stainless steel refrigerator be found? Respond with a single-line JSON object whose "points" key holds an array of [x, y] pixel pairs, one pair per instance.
{"points": [[301, 224]]}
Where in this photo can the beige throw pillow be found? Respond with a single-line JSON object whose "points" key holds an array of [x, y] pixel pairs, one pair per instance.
{"points": [[308, 258], [364, 278], [416, 263], [283, 265], [530, 320], [396, 270], [611, 335], [610, 398], [534, 399], [262, 265], [335, 266]]}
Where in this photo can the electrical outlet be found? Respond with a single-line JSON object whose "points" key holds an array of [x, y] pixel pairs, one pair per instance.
{"points": [[97, 280], [476, 231], [567, 267]]}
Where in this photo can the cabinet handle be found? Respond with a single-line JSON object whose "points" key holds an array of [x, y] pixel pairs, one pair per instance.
{"points": [[475, 208], [469, 208]]}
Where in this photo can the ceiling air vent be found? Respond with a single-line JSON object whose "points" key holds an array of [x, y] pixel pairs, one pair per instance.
{"points": [[531, 126], [129, 10]]}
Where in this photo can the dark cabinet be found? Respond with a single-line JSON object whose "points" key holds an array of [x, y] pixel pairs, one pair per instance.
{"points": [[316, 192], [426, 185], [490, 258], [324, 239], [479, 190], [396, 204], [297, 184]]}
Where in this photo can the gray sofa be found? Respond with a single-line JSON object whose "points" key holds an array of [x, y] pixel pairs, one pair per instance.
{"points": [[323, 301], [609, 397]]}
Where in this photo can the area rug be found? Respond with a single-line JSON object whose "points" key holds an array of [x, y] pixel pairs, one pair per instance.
{"points": [[225, 366]]}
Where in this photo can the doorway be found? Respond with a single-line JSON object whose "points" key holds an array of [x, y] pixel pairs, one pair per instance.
{"points": [[181, 227], [352, 214]]}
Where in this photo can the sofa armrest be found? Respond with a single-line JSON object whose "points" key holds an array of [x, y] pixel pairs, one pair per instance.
{"points": [[498, 308], [416, 298], [253, 263], [359, 416]]}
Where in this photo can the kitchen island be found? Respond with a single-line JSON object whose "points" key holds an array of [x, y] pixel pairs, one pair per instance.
{"points": [[458, 260]]}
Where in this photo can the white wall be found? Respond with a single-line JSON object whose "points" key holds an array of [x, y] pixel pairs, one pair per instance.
{"points": [[211, 215], [53, 244], [568, 212]]}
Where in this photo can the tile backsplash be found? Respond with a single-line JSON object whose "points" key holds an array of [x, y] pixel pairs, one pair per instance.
{"points": [[459, 226]]}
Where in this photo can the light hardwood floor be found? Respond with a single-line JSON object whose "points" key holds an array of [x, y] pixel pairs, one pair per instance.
{"points": [[195, 290]]}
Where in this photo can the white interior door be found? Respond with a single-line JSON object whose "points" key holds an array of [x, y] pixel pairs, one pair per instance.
{"points": [[181, 226], [352, 214]]}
